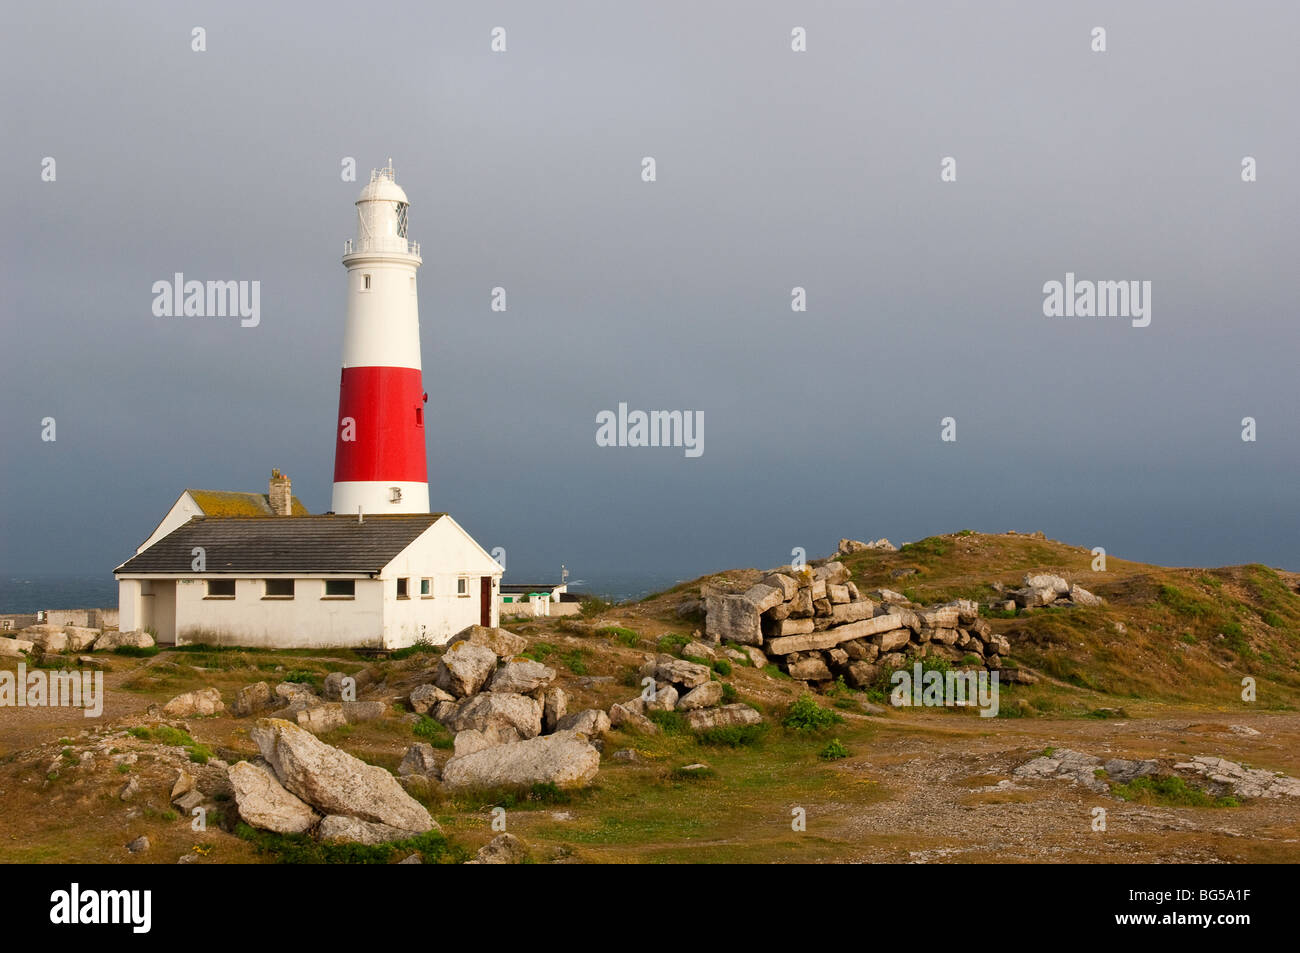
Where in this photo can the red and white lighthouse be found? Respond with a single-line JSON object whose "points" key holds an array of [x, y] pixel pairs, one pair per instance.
{"points": [[379, 456]]}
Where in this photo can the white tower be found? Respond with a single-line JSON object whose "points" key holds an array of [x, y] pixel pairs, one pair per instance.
{"points": [[380, 465]]}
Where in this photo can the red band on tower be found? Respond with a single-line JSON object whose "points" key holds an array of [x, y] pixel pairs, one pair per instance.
{"points": [[386, 406]]}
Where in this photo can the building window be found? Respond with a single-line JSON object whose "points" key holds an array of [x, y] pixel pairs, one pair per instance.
{"points": [[221, 589], [426, 588], [279, 589], [462, 586], [402, 589], [365, 282], [394, 494], [340, 588]]}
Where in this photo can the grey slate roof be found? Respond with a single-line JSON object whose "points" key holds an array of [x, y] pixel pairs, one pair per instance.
{"points": [[308, 544]]}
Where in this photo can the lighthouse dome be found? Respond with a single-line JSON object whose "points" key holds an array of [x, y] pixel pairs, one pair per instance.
{"points": [[382, 188]]}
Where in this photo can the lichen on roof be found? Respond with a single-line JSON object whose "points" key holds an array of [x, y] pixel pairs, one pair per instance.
{"points": [[220, 503]]}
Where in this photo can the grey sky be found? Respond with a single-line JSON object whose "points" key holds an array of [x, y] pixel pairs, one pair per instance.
{"points": [[775, 169]]}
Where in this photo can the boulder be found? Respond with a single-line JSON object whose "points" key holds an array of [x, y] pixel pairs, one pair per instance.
{"points": [[764, 597], [425, 697], [521, 677], [698, 650], [555, 705], [419, 760], [496, 711], [756, 656], [61, 638], [703, 696], [779, 580], [701, 719], [833, 573], [334, 781], [1047, 581], [591, 722], [665, 699], [322, 718], [564, 759], [801, 606], [502, 643], [810, 670], [968, 610], [733, 618], [678, 671], [263, 802], [1081, 596], [204, 702], [336, 682], [839, 595], [893, 639], [465, 668], [296, 692], [357, 712], [251, 699], [861, 674], [113, 639], [15, 648], [621, 716], [472, 739], [502, 849], [337, 827]]}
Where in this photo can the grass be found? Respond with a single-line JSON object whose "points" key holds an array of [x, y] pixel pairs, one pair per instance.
{"points": [[593, 606], [806, 715], [833, 751], [432, 847], [433, 732], [620, 634], [173, 737], [421, 647], [1170, 791], [733, 736], [672, 643]]}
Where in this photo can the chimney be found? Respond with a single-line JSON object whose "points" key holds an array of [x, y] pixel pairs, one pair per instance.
{"points": [[280, 494]]}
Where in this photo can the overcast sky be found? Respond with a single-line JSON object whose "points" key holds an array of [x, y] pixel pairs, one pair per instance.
{"points": [[776, 169]]}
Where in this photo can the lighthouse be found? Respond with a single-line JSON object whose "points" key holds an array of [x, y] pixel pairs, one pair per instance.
{"points": [[379, 453]]}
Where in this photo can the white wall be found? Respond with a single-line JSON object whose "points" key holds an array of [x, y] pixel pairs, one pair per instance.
{"points": [[306, 621], [443, 553], [181, 512]]}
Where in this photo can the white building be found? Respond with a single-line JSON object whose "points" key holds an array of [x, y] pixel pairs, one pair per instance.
{"points": [[310, 582]]}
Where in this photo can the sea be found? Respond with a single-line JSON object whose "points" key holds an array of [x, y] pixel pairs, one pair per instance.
{"points": [[30, 593]]}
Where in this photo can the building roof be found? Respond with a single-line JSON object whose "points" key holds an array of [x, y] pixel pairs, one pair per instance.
{"points": [[229, 503], [305, 544]]}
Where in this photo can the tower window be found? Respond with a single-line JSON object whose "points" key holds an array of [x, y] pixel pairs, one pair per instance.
{"points": [[394, 494], [365, 282], [419, 416]]}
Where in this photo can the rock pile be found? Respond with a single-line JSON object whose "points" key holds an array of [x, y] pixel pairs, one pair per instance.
{"points": [[511, 726], [816, 625], [1043, 589], [1218, 776], [684, 686], [300, 784], [57, 639]]}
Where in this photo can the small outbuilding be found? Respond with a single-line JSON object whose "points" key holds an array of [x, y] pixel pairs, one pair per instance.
{"points": [[382, 581]]}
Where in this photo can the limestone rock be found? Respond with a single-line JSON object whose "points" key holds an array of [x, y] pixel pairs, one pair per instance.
{"points": [[336, 827], [502, 849], [591, 722], [263, 802], [564, 759], [251, 699], [498, 711], [424, 697], [419, 760], [621, 716], [520, 677], [113, 639], [733, 618], [503, 644], [465, 668], [703, 696], [701, 719], [322, 718], [204, 702], [555, 705], [810, 670], [334, 781], [15, 648]]}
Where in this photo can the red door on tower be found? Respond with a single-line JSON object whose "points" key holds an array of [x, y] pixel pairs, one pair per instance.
{"points": [[485, 601]]}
